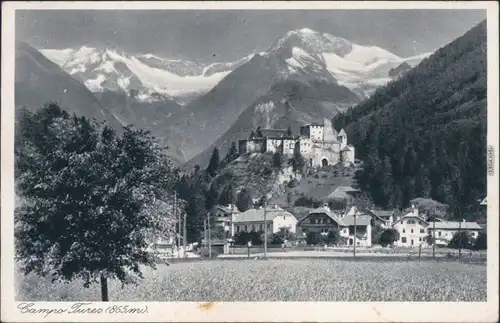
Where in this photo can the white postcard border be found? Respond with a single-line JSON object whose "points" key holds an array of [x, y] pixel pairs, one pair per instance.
{"points": [[247, 311]]}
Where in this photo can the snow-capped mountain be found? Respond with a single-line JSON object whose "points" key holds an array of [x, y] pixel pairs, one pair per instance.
{"points": [[152, 77], [360, 68], [299, 59]]}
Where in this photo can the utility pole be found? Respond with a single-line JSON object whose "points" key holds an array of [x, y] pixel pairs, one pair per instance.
{"points": [[434, 237], [177, 214], [209, 237], [354, 250], [265, 228], [185, 234], [459, 239], [205, 234]]}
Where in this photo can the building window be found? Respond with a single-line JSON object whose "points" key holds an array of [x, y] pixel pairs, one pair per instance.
{"points": [[246, 228], [404, 230], [260, 227], [403, 239], [439, 233], [237, 228], [253, 227], [419, 238], [411, 231], [268, 226], [423, 230]]}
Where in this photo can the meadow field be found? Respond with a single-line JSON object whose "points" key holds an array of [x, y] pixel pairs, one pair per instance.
{"points": [[281, 280]]}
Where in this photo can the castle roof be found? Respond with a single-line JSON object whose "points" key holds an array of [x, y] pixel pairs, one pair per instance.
{"points": [[342, 133], [347, 148], [312, 124], [274, 133]]}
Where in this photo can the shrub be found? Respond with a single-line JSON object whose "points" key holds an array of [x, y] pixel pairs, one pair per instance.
{"points": [[313, 238], [204, 253], [333, 237], [388, 237], [429, 239], [481, 241], [241, 238], [304, 201], [461, 239], [267, 171], [293, 183]]}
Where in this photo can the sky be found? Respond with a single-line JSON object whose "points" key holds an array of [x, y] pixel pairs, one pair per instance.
{"points": [[225, 35]]}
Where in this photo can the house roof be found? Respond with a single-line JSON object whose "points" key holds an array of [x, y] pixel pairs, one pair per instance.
{"points": [[410, 215], [344, 221], [342, 192], [227, 208], [255, 215], [327, 211], [455, 225], [485, 201], [382, 213], [360, 220]]}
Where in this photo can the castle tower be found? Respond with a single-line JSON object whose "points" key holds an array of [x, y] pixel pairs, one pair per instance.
{"points": [[329, 134], [342, 138]]}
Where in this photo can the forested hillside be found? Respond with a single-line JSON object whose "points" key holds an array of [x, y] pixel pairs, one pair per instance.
{"points": [[424, 135]]}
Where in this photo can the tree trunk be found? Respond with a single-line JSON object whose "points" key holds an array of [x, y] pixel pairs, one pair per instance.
{"points": [[104, 288]]}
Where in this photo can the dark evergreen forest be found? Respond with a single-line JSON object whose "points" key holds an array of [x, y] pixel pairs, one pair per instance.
{"points": [[424, 135]]}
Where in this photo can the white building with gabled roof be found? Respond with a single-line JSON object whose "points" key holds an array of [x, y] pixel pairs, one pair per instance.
{"points": [[253, 220], [412, 229], [445, 230], [323, 220]]}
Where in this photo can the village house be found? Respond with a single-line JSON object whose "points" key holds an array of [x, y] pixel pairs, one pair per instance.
{"points": [[324, 220], [382, 218], [253, 220], [319, 144], [223, 215], [445, 230], [412, 228]]}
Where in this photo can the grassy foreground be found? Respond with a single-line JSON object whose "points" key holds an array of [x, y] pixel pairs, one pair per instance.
{"points": [[281, 280]]}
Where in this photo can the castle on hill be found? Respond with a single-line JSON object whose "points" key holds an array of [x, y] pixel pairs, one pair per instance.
{"points": [[319, 144]]}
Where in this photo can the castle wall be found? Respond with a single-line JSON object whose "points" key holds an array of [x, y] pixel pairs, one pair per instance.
{"points": [[329, 134], [317, 133], [331, 156], [343, 141], [348, 155], [250, 146], [289, 146], [305, 145], [273, 145]]}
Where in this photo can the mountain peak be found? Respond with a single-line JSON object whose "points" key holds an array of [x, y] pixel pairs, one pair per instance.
{"points": [[311, 41], [307, 31]]}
